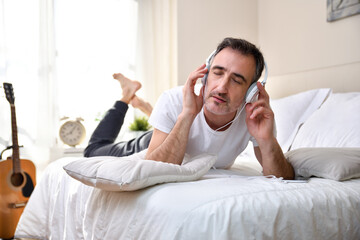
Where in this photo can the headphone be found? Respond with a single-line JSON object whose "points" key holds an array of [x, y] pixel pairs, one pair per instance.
{"points": [[252, 92]]}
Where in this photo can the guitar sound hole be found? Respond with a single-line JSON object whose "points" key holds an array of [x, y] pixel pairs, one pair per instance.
{"points": [[17, 179]]}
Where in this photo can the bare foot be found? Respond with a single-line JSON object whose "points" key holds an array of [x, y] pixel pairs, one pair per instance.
{"points": [[139, 103], [129, 87]]}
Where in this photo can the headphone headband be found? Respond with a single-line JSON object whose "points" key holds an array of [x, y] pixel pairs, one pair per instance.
{"points": [[210, 57]]}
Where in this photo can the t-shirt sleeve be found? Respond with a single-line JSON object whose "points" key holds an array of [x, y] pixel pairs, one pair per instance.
{"points": [[166, 111]]}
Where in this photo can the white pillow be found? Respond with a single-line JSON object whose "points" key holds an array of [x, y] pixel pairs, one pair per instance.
{"points": [[331, 163], [134, 172], [292, 111], [335, 124]]}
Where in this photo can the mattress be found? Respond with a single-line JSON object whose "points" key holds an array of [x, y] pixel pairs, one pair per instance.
{"points": [[237, 203]]}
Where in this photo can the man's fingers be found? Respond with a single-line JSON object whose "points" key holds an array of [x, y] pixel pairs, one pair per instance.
{"points": [[260, 107], [201, 67], [256, 112], [262, 91], [256, 104], [195, 75]]}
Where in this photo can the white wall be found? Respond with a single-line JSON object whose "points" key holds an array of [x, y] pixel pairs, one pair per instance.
{"points": [[305, 51], [202, 24], [302, 49]]}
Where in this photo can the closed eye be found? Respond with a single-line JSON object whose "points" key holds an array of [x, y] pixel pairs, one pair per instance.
{"points": [[217, 72], [239, 78], [237, 81]]}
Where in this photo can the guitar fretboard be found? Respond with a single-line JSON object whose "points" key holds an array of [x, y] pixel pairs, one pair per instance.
{"points": [[15, 154]]}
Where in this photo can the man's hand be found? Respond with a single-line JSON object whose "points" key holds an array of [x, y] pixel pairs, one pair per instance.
{"points": [[171, 147], [260, 122], [192, 103], [260, 117]]}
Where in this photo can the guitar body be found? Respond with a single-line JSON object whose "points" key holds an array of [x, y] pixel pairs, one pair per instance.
{"points": [[14, 198]]}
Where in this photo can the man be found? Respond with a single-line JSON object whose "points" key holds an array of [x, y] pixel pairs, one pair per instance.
{"points": [[214, 121]]}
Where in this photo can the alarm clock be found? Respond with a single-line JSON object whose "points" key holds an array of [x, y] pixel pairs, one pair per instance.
{"points": [[72, 132]]}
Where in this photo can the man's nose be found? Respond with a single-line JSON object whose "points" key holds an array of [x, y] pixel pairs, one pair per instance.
{"points": [[223, 85]]}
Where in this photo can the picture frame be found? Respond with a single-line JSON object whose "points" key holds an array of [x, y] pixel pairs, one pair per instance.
{"points": [[338, 9]]}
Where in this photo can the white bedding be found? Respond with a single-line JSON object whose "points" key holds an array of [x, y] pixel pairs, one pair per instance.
{"points": [[223, 204]]}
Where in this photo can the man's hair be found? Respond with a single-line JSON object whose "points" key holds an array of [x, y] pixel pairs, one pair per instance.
{"points": [[246, 48]]}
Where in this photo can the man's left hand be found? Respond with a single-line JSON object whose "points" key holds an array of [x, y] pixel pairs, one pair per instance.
{"points": [[260, 117]]}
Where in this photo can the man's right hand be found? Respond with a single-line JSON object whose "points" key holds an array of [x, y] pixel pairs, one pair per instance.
{"points": [[171, 147]]}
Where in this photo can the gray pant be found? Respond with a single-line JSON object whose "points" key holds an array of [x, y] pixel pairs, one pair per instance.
{"points": [[102, 140]]}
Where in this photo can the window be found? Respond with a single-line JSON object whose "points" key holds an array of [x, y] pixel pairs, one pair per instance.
{"points": [[94, 39]]}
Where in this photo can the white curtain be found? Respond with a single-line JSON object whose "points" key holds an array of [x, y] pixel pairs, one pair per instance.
{"points": [[27, 58], [156, 57], [4, 118], [47, 86]]}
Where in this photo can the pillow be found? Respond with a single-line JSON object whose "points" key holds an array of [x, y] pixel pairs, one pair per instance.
{"points": [[292, 111], [335, 124], [331, 163], [134, 172]]}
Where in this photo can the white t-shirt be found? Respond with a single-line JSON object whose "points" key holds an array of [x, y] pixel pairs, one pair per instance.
{"points": [[227, 145]]}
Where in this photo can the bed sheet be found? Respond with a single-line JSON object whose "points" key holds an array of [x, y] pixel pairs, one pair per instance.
{"points": [[223, 204]]}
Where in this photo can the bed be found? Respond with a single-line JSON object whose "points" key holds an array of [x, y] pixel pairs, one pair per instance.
{"points": [[129, 198]]}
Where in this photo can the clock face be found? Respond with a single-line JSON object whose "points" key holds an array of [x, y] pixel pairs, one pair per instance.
{"points": [[72, 133]]}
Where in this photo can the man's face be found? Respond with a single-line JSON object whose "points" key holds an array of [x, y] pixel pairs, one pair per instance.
{"points": [[230, 76]]}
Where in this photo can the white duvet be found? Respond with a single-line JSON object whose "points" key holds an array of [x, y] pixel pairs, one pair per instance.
{"points": [[223, 204]]}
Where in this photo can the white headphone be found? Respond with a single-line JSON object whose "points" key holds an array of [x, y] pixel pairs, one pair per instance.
{"points": [[252, 92]]}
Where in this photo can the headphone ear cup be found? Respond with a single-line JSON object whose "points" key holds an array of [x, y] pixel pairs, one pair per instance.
{"points": [[251, 93]]}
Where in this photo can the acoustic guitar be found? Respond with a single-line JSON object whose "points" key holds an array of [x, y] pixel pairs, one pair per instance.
{"points": [[17, 179]]}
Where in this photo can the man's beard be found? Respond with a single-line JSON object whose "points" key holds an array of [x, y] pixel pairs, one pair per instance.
{"points": [[221, 108]]}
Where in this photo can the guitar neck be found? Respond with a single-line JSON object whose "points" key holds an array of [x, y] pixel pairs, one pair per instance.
{"points": [[15, 154]]}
